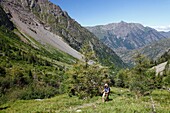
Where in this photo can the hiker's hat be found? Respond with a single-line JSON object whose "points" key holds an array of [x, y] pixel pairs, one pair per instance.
{"points": [[106, 85]]}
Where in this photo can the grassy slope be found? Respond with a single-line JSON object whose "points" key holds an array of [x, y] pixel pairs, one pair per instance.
{"points": [[122, 101], [15, 58], [44, 52]]}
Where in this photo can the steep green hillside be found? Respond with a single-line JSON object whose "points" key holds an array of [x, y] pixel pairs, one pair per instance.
{"points": [[28, 72]]}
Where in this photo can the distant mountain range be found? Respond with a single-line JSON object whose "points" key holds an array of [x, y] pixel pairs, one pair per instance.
{"points": [[48, 24], [128, 38], [125, 35]]}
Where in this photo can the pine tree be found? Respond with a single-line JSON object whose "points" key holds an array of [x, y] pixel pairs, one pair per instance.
{"points": [[121, 78], [85, 78], [140, 77]]}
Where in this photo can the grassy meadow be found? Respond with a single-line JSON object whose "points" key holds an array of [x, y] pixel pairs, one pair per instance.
{"points": [[121, 101]]}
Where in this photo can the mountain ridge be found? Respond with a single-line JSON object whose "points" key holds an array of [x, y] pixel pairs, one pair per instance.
{"points": [[125, 35], [128, 38], [36, 16]]}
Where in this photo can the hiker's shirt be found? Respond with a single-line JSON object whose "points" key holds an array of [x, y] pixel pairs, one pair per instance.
{"points": [[107, 90]]}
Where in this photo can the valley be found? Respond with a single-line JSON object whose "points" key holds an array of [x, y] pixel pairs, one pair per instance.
{"points": [[50, 63]]}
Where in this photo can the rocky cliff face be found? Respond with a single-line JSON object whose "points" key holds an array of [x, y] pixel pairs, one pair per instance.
{"points": [[125, 35], [47, 23]]}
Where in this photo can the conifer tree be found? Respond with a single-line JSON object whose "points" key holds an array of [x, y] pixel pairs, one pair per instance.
{"points": [[85, 78], [121, 79], [140, 77]]}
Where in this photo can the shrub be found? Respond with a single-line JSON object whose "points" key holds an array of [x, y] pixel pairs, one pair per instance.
{"points": [[38, 92], [85, 79]]}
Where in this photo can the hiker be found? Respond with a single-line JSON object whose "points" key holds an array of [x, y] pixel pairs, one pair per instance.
{"points": [[106, 92]]}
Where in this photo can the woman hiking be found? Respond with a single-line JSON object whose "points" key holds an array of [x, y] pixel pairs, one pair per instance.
{"points": [[106, 92]]}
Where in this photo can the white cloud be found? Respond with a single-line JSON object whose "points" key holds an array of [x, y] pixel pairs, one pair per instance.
{"points": [[162, 28]]}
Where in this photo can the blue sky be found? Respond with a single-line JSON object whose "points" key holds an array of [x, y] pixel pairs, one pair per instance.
{"points": [[154, 13]]}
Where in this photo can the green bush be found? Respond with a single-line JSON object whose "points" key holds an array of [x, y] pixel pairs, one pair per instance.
{"points": [[85, 79], [35, 91]]}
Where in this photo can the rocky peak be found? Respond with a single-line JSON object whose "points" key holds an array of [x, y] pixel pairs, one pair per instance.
{"points": [[126, 35], [36, 6]]}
